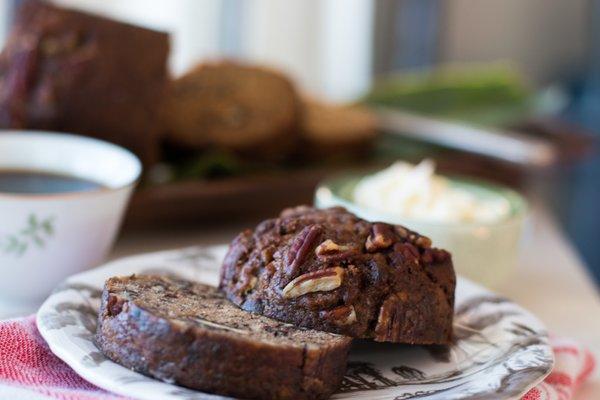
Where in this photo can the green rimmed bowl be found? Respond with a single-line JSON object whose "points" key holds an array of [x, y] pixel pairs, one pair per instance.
{"points": [[485, 252]]}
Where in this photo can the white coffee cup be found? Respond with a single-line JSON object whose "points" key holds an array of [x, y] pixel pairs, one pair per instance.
{"points": [[46, 237]]}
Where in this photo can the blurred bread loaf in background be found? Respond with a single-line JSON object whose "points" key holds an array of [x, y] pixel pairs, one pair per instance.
{"points": [[246, 109], [330, 129], [255, 111], [69, 71]]}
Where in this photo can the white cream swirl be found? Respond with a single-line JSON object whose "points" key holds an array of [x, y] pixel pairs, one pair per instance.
{"points": [[416, 192]]}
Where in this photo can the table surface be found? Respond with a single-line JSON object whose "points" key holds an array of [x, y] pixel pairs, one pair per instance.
{"points": [[551, 281]]}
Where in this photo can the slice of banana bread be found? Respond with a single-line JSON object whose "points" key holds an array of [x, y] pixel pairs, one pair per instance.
{"points": [[332, 271], [190, 334]]}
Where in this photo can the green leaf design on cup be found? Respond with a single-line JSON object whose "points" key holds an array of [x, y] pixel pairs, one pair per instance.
{"points": [[36, 233]]}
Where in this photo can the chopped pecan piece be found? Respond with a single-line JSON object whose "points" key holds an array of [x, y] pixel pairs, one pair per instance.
{"points": [[389, 321], [402, 296], [427, 256], [440, 255], [114, 305], [330, 247], [247, 283], [408, 251], [251, 284], [402, 231], [301, 247], [423, 241], [316, 281], [343, 315], [266, 255], [380, 238]]}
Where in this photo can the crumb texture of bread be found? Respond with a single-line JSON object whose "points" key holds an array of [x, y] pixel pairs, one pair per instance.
{"points": [[234, 106], [70, 71], [190, 334], [332, 271]]}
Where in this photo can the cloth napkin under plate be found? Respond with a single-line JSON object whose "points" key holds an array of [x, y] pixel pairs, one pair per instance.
{"points": [[29, 370]]}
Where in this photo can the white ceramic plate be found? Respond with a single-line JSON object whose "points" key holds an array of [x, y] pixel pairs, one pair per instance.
{"points": [[500, 350]]}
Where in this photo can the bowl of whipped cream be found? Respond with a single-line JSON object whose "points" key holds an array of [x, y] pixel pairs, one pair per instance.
{"points": [[480, 223]]}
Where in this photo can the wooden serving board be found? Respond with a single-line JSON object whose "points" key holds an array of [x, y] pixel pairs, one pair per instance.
{"points": [[236, 198], [257, 196]]}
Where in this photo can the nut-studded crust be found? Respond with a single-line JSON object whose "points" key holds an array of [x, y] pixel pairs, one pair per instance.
{"points": [[239, 107], [74, 72], [331, 271], [190, 334]]}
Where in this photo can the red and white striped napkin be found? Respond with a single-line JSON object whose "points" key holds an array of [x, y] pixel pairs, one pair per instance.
{"points": [[28, 370], [572, 366]]}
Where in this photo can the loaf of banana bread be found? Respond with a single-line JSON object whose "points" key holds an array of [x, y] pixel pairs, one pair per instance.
{"points": [[238, 107], [332, 271], [65, 70], [190, 334]]}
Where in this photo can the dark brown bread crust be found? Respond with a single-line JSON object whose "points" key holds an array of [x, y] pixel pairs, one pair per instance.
{"points": [[69, 71], [250, 110], [190, 334], [331, 271]]}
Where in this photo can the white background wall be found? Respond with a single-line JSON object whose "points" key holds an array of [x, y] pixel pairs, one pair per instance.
{"points": [[4, 18], [326, 44], [545, 38]]}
